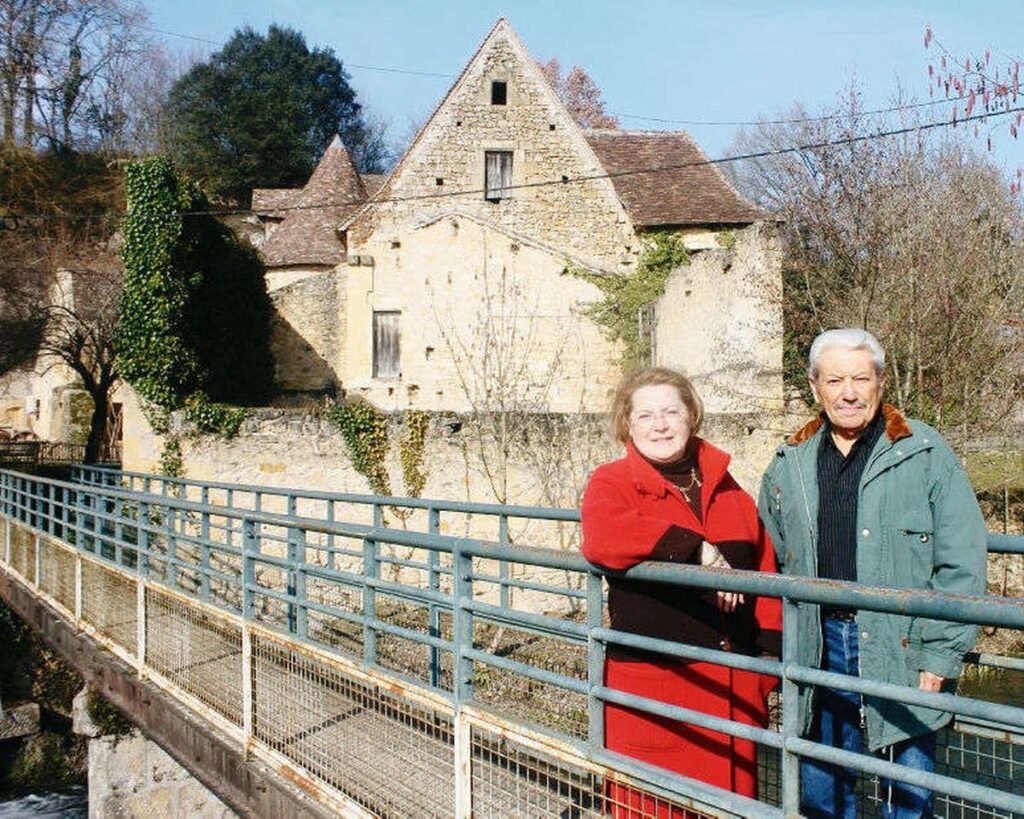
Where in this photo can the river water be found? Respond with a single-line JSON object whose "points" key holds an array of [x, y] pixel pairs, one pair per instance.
{"points": [[70, 804]]}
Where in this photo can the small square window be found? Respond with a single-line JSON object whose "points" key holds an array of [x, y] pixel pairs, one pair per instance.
{"points": [[499, 92], [497, 175]]}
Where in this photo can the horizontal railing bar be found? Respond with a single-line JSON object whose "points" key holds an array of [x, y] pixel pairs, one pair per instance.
{"points": [[377, 624], [1005, 544], [496, 509], [744, 662], [966, 706], [764, 736], [527, 585], [995, 661], [532, 672], [535, 622]]}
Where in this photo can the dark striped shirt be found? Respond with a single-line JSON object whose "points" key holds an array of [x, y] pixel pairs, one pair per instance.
{"points": [[838, 483]]}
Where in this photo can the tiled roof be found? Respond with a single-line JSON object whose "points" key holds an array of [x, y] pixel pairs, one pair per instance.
{"points": [[373, 182], [308, 233], [665, 180], [274, 202]]}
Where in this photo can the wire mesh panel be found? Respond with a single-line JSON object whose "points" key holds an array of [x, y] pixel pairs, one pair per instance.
{"points": [[964, 754], [997, 762], [389, 754], [513, 779], [532, 701], [196, 651], [109, 604], [23, 551], [57, 573]]}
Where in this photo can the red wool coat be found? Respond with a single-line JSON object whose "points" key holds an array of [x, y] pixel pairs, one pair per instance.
{"points": [[628, 511]]}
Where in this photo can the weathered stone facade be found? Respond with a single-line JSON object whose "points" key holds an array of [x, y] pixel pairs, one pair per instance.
{"points": [[584, 219], [307, 334], [720, 321], [482, 311]]}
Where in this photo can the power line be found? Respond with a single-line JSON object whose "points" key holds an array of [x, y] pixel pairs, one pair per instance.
{"points": [[661, 120], [364, 66], [565, 180], [910, 106]]}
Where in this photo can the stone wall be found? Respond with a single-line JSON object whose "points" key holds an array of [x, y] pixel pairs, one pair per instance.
{"points": [[583, 219], [552, 456], [308, 330], [132, 776], [720, 322]]}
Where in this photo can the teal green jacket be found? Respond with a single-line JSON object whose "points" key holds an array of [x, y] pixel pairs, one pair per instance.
{"points": [[918, 527]]}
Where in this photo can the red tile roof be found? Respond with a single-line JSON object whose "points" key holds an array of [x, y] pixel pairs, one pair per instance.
{"points": [[274, 202], [662, 178], [308, 234]]}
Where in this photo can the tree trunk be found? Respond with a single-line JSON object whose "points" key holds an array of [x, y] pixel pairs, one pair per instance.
{"points": [[28, 116], [97, 426]]}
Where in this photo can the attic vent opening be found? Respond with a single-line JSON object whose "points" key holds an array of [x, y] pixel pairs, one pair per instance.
{"points": [[499, 92]]}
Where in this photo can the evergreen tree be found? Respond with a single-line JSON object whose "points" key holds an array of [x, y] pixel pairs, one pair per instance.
{"points": [[260, 112]]}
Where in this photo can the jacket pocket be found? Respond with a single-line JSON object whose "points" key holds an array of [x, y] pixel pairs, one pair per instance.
{"points": [[912, 539]]}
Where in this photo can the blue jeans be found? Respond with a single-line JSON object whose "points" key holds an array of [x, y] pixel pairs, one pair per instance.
{"points": [[828, 790]]}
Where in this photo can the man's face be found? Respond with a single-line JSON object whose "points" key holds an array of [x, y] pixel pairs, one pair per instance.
{"points": [[848, 388]]}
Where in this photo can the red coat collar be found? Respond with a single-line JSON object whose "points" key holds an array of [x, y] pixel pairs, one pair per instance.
{"points": [[713, 463]]}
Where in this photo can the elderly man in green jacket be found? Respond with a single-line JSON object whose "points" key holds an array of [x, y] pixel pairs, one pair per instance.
{"points": [[864, 494]]}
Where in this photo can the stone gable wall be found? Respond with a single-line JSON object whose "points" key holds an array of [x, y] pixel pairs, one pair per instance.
{"points": [[583, 219]]}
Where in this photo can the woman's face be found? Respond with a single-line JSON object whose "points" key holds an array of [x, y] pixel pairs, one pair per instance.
{"points": [[659, 423]]}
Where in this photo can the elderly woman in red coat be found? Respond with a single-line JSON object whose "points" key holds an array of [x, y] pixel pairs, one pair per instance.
{"points": [[671, 498]]}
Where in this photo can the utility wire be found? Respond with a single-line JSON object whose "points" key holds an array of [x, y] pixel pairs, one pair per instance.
{"points": [[661, 120], [565, 180]]}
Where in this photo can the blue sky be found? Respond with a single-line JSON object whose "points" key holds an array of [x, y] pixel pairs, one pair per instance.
{"points": [[705, 61]]}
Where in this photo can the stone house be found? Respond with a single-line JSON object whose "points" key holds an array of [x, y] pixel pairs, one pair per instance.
{"points": [[449, 285]]}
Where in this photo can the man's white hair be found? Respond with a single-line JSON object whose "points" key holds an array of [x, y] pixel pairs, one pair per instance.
{"points": [[847, 338]]}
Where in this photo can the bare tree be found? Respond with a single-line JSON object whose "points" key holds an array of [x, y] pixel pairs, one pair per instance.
{"points": [[64, 65], [505, 370], [917, 238], [579, 94]]}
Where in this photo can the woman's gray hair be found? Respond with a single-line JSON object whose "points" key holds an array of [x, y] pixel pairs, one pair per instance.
{"points": [[848, 338]]}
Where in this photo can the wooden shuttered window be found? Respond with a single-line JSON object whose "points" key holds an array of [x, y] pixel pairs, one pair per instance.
{"points": [[498, 175], [386, 347]]}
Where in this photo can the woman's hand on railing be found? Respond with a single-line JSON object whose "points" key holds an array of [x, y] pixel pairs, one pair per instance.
{"points": [[712, 558]]}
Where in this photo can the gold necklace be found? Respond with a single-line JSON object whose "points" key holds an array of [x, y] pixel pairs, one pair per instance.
{"points": [[694, 483]]}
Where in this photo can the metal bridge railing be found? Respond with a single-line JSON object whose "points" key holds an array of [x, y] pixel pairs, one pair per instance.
{"points": [[397, 669]]}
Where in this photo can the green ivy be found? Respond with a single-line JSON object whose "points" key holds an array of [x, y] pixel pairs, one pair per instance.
{"points": [[410, 451], [625, 295], [365, 431], [195, 317], [209, 416], [171, 462]]}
